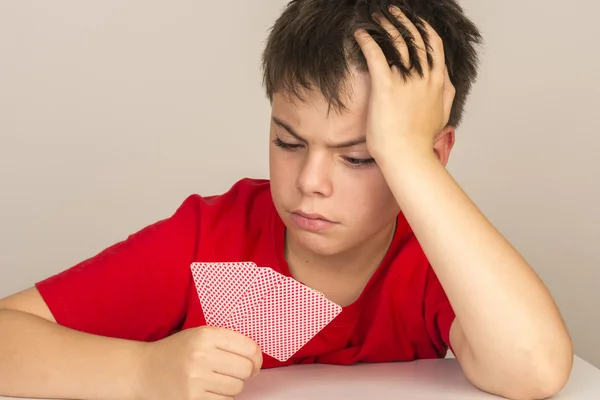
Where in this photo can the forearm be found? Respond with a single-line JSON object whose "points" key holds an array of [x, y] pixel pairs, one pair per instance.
{"points": [[41, 359], [508, 318]]}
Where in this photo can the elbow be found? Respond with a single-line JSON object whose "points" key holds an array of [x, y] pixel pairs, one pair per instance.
{"points": [[553, 371], [538, 389], [530, 376], [542, 379]]}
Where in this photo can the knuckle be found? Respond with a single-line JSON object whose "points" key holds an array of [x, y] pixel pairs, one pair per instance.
{"points": [[437, 79], [440, 80], [194, 373], [199, 355], [205, 335], [198, 360], [205, 330]]}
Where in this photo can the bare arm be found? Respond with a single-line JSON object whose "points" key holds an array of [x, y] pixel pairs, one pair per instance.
{"points": [[509, 335], [39, 358]]}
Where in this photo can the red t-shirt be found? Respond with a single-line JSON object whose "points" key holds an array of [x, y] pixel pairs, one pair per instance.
{"points": [[142, 288]]}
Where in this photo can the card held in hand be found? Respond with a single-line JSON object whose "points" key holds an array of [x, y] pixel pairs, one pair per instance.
{"points": [[220, 287], [276, 311]]}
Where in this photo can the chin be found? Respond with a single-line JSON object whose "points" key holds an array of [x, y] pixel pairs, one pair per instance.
{"points": [[317, 243]]}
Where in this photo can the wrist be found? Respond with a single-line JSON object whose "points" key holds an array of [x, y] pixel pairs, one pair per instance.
{"points": [[412, 175], [405, 158]]}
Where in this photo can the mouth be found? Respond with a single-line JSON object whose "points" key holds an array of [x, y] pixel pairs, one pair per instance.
{"points": [[311, 221], [311, 216]]}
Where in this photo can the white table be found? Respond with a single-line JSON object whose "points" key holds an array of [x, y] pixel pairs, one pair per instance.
{"points": [[418, 380]]}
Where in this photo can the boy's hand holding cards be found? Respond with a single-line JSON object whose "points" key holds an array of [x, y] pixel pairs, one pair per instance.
{"points": [[279, 313], [201, 363]]}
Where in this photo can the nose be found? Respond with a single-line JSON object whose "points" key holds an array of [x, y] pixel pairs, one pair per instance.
{"points": [[314, 178]]}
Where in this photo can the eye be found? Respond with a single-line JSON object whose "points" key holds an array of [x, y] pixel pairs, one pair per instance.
{"points": [[286, 146], [359, 162]]}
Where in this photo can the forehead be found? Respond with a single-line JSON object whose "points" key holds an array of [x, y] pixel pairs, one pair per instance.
{"points": [[312, 113]]}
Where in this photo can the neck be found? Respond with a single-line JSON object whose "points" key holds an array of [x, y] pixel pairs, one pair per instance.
{"points": [[363, 258]]}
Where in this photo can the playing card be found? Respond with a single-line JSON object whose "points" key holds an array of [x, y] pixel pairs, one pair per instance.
{"points": [[287, 318], [276, 311], [220, 287], [261, 287]]}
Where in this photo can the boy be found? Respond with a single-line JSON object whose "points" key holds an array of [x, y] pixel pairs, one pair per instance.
{"points": [[359, 206]]}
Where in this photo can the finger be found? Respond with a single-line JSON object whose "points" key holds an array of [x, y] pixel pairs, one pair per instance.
{"points": [[236, 343], [233, 365], [436, 45], [223, 385], [397, 39], [376, 61], [448, 96], [421, 50]]}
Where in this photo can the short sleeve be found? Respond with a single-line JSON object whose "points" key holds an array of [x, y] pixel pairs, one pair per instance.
{"points": [[135, 289], [439, 314]]}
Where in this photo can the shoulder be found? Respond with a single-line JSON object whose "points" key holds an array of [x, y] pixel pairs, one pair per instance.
{"points": [[243, 203], [244, 191], [245, 196], [238, 225], [245, 208]]}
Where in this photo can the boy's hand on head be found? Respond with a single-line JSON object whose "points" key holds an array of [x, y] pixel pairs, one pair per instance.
{"points": [[405, 114], [205, 363], [406, 118]]}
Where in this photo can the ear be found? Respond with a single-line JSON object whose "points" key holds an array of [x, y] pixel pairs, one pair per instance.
{"points": [[443, 144]]}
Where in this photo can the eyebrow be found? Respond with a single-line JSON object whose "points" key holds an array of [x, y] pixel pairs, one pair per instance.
{"points": [[295, 134]]}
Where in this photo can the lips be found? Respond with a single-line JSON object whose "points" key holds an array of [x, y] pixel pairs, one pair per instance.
{"points": [[311, 221], [311, 216]]}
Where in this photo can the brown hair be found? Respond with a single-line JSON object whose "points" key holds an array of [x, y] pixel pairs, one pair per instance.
{"points": [[311, 45]]}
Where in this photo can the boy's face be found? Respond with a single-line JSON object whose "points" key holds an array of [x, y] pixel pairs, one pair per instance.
{"points": [[329, 193]]}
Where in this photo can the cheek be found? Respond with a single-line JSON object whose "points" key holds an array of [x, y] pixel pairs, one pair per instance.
{"points": [[282, 172], [369, 198]]}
